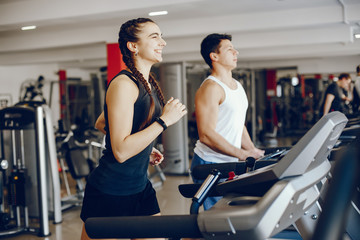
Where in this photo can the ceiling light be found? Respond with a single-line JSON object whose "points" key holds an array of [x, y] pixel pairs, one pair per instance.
{"points": [[357, 35], [158, 13], [28, 28]]}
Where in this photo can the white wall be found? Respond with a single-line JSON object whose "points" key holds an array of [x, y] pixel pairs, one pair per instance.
{"points": [[11, 77]]}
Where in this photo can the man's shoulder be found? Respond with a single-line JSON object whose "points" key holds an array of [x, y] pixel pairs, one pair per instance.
{"points": [[210, 87], [333, 86], [210, 84], [210, 90]]}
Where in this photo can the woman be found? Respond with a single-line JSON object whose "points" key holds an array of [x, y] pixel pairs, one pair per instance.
{"points": [[133, 118]]}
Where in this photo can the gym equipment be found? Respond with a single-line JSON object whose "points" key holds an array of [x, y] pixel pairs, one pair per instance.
{"points": [[348, 140], [31, 90], [32, 187], [77, 99], [76, 155], [256, 205], [338, 207], [348, 135], [307, 224], [201, 172], [76, 164], [204, 190]]}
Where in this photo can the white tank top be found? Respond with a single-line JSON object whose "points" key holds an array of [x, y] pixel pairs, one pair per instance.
{"points": [[230, 122]]}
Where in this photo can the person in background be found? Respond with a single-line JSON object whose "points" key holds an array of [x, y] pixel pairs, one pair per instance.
{"points": [[356, 92], [336, 95], [135, 114], [220, 108]]}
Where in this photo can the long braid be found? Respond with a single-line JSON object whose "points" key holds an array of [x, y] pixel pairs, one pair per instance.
{"points": [[138, 75], [155, 84], [128, 33]]}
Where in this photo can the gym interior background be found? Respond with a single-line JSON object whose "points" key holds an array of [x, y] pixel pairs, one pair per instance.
{"points": [[289, 51]]}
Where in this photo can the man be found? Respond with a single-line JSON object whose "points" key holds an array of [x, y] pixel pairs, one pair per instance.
{"points": [[220, 108], [335, 95]]}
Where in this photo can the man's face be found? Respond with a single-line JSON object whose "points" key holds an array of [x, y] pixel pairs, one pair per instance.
{"points": [[346, 83], [227, 54]]}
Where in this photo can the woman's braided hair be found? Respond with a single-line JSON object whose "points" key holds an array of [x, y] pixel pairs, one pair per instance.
{"points": [[129, 33]]}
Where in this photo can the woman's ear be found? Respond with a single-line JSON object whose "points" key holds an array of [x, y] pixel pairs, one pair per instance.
{"points": [[132, 47]]}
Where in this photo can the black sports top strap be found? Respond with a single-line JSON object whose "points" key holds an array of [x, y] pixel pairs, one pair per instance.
{"points": [[130, 75]]}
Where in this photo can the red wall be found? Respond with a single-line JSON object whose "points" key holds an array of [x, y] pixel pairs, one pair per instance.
{"points": [[114, 60]]}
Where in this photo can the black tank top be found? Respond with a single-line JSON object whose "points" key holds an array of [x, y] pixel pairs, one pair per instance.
{"points": [[129, 177]]}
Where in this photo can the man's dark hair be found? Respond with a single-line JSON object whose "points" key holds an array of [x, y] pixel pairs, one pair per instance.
{"points": [[358, 69], [211, 43], [344, 76]]}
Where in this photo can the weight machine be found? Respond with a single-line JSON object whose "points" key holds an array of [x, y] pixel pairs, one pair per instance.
{"points": [[34, 186]]}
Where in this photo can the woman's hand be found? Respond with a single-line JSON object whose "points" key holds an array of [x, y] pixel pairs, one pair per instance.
{"points": [[156, 157], [173, 111]]}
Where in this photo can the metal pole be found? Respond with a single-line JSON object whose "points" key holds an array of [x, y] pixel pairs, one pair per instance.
{"points": [[253, 107], [22, 149], [13, 140], [41, 167], [184, 119], [53, 166]]}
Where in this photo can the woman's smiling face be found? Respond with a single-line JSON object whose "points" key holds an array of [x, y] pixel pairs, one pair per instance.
{"points": [[151, 43]]}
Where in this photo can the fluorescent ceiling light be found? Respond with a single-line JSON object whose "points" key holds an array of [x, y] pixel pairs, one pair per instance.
{"points": [[158, 13], [28, 28], [357, 35]]}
